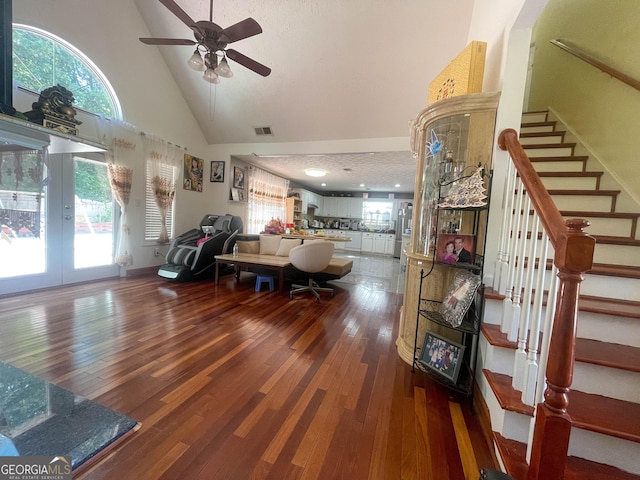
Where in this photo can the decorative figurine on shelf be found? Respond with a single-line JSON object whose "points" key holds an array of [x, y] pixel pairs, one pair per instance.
{"points": [[54, 109], [466, 193]]}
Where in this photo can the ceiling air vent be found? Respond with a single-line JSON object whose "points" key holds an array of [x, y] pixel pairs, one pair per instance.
{"points": [[260, 131]]}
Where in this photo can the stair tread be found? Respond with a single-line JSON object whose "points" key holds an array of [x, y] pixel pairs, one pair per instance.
{"points": [[591, 303], [612, 355], [612, 240], [575, 213], [560, 158], [538, 124], [583, 192], [610, 270], [548, 145], [570, 174], [514, 453], [588, 411], [555, 133]]}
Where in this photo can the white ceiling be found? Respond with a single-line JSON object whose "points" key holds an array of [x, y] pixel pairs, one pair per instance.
{"points": [[342, 70]]}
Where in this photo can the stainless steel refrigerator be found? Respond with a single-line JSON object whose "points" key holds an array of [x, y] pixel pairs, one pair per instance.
{"points": [[403, 223]]}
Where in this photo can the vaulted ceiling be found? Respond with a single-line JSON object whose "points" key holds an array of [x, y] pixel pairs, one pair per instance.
{"points": [[342, 70]]}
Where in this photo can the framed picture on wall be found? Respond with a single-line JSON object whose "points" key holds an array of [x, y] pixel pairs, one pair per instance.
{"points": [[217, 172], [193, 168]]}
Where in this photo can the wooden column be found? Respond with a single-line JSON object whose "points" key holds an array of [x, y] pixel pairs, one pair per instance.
{"points": [[553, 423]]}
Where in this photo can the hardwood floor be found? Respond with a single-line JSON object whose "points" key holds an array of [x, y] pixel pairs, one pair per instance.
{"points": [[233, 384]]}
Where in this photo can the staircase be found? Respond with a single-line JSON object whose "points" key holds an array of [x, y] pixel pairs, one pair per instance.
{"points": [[604, 401]]}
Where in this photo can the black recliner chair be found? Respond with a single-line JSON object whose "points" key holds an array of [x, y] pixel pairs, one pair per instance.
{"points": [[192, 254]]}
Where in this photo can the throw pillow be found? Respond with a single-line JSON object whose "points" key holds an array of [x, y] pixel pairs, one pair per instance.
{"points": [[286, 244], [248, 246], [269, 244]]}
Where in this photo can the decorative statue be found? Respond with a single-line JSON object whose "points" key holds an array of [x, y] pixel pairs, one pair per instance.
{"points": [[54, 110]]}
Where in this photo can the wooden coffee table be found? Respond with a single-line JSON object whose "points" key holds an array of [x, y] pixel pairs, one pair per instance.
{"points": [[268, 262]]}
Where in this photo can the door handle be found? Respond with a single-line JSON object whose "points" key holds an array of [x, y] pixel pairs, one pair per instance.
{"points": [[68, 217], [67, 207]]}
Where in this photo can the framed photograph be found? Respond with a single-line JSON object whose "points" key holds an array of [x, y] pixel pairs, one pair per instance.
{"points": [[459, 297], [442, 356], [193, 173], [238, 177], [217, 172], [235, 194], [452, 248]]}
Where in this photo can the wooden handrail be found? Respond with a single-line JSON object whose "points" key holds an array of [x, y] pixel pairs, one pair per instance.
{"points": [[582, 55], [573, 257]]}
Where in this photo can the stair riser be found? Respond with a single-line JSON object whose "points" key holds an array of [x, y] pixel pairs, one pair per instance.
{"points": [[617, 254], [548, 152], [559, 166], [588, 203], [615, 227], [545, 140], [605, 381], [604, 449], [611, 287], [570, 183], [534, 117], [537, 129], [609, 328]]}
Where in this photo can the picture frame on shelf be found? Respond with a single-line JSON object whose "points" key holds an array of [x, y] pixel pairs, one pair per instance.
{"points": [[442, 356], [454, 248], [238, 177], [217, 172], [459, 297]]}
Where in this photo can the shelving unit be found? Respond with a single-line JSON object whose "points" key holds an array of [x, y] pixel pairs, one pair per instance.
{"points": [[450, 140], [294, 211], [429, 309]]}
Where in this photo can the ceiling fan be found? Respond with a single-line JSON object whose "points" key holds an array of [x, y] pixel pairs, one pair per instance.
{"points": [[211, 42]]}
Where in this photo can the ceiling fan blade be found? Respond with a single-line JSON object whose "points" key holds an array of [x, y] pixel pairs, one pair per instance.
{"points": [[241, 30], [167, 41], [248, 62], [178, 12]]}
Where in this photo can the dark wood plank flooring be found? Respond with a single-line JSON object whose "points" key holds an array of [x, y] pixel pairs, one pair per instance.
{"points": [[233, 384]]}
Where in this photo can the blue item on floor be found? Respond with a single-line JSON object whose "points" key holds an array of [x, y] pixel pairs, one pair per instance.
{"points": [[260, 280]]}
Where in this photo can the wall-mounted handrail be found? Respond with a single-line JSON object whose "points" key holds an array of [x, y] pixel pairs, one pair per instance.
{"points": [[573, 257], [582, 55]]}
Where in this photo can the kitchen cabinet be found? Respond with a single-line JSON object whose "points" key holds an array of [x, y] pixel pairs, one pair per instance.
{"points": [[354, 209], [367, 242], [389, 244], [356, 241], [330, 207], [379, 240]]}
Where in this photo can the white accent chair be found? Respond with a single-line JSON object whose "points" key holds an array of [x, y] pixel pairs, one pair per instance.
{"points": [[311, 257]]}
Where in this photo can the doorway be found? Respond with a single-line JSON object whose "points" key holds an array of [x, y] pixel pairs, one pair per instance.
{"points": [[62, 234]]}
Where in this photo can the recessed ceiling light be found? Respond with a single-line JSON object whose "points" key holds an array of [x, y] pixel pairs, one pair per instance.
{"points": [[362, 184], [397, 185], [314, 172], [323, 184]]}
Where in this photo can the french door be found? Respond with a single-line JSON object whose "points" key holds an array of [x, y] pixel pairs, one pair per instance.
{"points": [[75, 240]]}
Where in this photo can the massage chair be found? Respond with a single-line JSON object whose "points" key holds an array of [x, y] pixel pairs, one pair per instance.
{"points": [[192, 254]]}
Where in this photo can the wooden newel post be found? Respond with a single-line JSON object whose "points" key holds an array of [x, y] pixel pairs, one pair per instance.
{"points": [[553, 424]]}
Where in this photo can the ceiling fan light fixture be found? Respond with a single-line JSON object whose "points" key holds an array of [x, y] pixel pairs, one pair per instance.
{"points": [[223, 69], [195, 62], [315, 172], [211, 76]]}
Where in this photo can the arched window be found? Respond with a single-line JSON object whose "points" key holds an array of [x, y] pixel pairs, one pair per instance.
{"points": [[42, 60]]}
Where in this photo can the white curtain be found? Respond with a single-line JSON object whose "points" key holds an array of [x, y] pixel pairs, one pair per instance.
{"points": [[121, 140], [163, 160], [267, 199]]}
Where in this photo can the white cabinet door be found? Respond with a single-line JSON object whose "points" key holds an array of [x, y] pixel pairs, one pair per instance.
{"points": [[367, 242], [356, 241], [389, 244], [330, 207], [379, 242], [355, 208]]}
